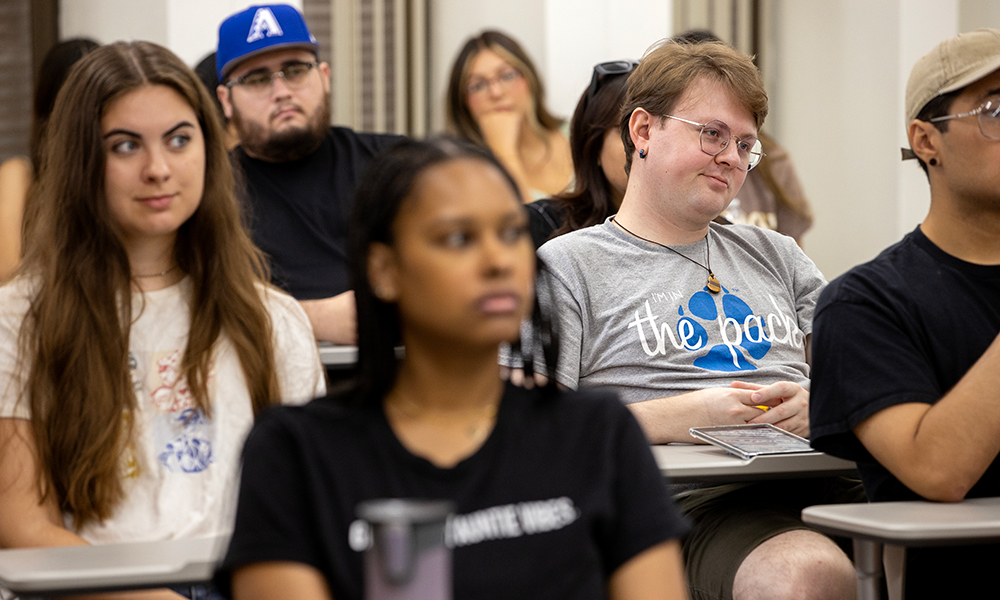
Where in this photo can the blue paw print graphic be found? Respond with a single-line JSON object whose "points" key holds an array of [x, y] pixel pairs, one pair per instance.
{"points": [[728, 356]]}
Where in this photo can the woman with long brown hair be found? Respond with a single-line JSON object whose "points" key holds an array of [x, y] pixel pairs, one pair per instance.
{"points": [[138, 340], [496, 100]]}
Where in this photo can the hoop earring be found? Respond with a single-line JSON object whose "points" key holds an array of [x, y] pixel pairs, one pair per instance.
{"points": [[642, 154]]}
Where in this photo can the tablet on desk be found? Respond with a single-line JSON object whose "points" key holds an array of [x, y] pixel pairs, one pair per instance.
{"points": [[748, 441]]}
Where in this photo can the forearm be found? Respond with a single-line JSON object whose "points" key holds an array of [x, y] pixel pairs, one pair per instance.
{"points": [[160, 594], [333, 319], [273, 580], [29, 533], [15, 177], [27, 518], [655, 574], [940, 451], [668, 419], [51, 535]]}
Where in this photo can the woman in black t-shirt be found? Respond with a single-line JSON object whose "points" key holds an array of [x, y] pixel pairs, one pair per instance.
{"points": [[441, 261]]}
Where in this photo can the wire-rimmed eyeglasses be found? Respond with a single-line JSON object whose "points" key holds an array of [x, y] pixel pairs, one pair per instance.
{"points": [[294, 74], [988, 115], [608, 69], [504, 79], [715, 136]]}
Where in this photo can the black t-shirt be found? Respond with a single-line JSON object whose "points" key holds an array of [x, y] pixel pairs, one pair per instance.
{"points": [[904, 327], [300, 210], [307, 468], [544, 217]]}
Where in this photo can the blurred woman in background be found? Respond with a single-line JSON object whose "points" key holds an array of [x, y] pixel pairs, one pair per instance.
{"points": [[496, 100]]}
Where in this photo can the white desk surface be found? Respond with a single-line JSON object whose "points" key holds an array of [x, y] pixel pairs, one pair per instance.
{"points": [[696, 463], [343, 357], [42, 572], [336, 356], [912, 523]]}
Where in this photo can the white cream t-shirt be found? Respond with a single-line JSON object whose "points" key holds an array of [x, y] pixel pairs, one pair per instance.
{"points": [[181, 473]]}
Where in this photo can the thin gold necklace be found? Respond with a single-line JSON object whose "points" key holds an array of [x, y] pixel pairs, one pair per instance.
{"points": [[713, 284], [476, 431], [160, 274]]}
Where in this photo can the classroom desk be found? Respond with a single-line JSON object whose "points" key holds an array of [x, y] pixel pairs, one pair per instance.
{"points": [[908, 524], [44, 572], [698, 463], [338, 357]]}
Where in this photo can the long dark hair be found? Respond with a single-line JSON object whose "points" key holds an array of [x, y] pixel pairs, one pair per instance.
{"points": [[387, 183], [51, 75], [74, 340], [460, 121], [591, 201]]}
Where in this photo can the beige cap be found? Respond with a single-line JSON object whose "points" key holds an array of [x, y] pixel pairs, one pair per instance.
{"points": [[952, 65]]}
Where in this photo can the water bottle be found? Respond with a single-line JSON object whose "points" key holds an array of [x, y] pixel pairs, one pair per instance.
{"points": [[407, 558]]}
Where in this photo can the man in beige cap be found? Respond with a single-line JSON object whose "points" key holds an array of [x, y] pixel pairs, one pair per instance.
{"points": [[906, 353]]}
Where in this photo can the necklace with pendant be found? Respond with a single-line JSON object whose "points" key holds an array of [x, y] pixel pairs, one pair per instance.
{"points": [[712, 284]]}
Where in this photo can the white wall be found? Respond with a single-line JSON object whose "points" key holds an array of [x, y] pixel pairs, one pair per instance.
{"points": [[188, 27], [112, 20], [974, 14], [582, 33], [837, 104]]}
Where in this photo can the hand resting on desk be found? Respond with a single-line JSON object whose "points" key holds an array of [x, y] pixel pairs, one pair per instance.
{"points": [[334, 319], [668, 419], [663, 419], [789, 404]]}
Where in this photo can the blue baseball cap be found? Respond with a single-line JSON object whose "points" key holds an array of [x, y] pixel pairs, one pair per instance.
{"points": [[260, 29]]}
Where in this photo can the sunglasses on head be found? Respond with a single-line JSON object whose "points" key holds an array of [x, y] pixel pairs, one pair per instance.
{"points": [[608, 69]]}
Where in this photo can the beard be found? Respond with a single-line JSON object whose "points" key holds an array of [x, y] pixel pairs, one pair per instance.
{"points": [[284, 146]]}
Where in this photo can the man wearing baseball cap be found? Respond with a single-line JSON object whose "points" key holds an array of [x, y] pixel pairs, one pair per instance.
{"points": [[906, 353], [300, 172]]}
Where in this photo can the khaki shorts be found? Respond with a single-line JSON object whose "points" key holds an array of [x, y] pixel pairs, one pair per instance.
{"points": [[731, 520]]}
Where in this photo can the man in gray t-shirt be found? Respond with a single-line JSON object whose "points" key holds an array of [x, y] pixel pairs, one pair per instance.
{"points": [[640, 318], [698, 324]]}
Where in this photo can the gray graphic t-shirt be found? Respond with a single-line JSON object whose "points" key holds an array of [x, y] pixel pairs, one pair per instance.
{"points": [[639, 318]]}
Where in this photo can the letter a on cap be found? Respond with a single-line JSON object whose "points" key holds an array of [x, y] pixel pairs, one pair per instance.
{"points": [[263, 24]]}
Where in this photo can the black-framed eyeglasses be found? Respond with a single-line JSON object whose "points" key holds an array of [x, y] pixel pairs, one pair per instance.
{"points": [[294, 74], [988, 115], [608, 69], [715, 136]]}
